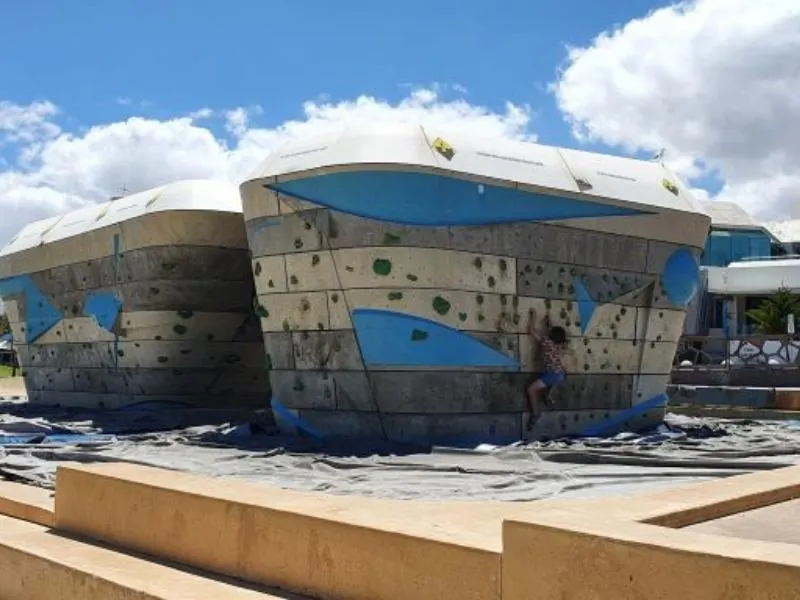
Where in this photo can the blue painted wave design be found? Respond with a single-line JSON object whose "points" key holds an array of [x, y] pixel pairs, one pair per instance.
{"points": [[41, 315], [394, 339], [427, 199]]}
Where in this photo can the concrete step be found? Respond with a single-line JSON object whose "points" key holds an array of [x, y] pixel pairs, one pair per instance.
{"points": [[37, 563], [320, 545], [27, 503]]}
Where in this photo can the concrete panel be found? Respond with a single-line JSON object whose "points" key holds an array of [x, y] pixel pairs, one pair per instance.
{"points": [[186, 227], [257, 201], [387, 267], [147, 264], [302, 542], [147, 381], [480, 312], [307, 231], [313, 230], [587, 557], [269, 274], [410, 392], [27, 503], [300, 312]]}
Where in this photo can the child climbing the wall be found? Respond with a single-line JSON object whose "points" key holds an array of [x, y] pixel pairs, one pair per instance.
{"points": [[554, 344]]}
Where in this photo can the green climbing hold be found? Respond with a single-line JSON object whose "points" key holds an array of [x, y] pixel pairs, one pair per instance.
{"points": [[315, 260], [334, 297], [382, 266], [462, 316], [390, 238], [257, 269], [440, 305], [479, 299], [179, 329], [490, 281], [293, 279], [481, 318], [478, 263], [395, 295], [262, 312], [503, 264], [185, 313], [411, 277], [270, 283], [417, 335]]}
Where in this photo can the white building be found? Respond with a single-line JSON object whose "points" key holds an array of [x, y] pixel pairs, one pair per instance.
{"points": [[743, 263]]}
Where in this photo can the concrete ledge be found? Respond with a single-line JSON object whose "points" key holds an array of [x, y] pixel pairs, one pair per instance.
{"points": [[694, 503], [36, 564], [733, 412], [588, 558], [26, 502], [331, 546], [787, 399]]}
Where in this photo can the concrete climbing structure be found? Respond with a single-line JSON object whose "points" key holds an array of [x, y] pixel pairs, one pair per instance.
{"points": [[146, 298], [395, 269]]}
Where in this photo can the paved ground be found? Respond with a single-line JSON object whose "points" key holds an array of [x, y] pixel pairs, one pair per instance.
{"points": [[776, 523]]}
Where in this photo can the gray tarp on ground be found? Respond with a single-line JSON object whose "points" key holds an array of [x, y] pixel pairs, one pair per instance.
{"points": [[33, 441]]}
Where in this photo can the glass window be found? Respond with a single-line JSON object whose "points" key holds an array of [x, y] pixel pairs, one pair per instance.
{"points": [[726, 246]]}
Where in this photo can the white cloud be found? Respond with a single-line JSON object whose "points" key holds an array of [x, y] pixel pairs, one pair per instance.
{"points": [[715, 82], [27, 123], [57, 171]]}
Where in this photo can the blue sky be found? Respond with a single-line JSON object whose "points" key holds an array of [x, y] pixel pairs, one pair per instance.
{"points": [[172, 57], [96, 94]]}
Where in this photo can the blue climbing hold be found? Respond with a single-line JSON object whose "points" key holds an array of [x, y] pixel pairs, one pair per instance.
{"points": [[681, 277]]}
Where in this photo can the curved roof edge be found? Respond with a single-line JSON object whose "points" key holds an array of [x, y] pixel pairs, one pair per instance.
{"points": [[642, 184], [191, 194]]}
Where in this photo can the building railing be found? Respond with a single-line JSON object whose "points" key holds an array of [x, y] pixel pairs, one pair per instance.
{"points": [[776, 351], [771, 361]]}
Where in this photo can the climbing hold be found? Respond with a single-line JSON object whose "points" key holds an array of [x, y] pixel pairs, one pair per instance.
{"points": [[293, 280], [411, 277], [417, 335], [257, 269], [382, 266], [179, 329], [314, 260], [491, 281], [440, 305], [390, 238], [395, 295], [478, 263], [462, 316], [680, 277]]}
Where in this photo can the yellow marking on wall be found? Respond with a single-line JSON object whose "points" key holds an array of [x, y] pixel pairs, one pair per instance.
{"points": [[443, 148], [669, 186], [153, 200]]}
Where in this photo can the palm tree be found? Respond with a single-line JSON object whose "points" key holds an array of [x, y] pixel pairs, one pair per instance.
{"points": [[772, 315]]}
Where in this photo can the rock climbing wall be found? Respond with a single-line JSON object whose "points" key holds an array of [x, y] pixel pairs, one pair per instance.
{"points": [[418, 332], [156, 309]]}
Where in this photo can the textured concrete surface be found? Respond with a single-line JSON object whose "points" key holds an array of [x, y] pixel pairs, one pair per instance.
{"points": [[325, 546], [776, 523], [313, 267], [617, 547], [26, 503], [144, 311], [37, 563]]}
